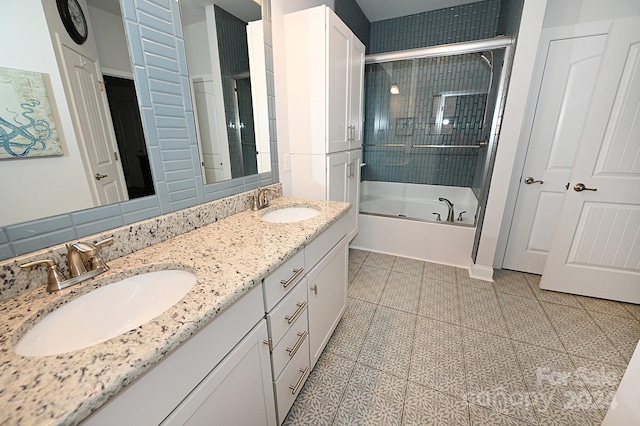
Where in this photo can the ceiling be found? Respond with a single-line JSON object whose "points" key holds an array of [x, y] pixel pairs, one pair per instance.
{"points": [[378, 10]]}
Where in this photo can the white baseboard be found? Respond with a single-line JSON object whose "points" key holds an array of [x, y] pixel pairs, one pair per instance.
{"points": [[479, 272]]}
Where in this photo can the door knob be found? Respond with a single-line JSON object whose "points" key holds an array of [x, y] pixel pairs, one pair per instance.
{"points": [[531, 180], [99, 176], [580, 187]]}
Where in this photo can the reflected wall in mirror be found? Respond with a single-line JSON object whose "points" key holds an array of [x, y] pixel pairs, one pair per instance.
{"points": [[105, 159], [224, 42]]}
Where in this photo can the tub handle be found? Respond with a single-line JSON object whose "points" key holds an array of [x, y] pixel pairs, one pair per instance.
{"points": [[460, 216], [438, 218]]}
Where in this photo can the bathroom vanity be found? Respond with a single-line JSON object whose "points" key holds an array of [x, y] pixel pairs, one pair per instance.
{"points": [[238, 346]]}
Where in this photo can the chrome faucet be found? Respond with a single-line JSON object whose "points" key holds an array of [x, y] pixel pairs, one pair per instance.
{"points": [[84, 262], [450, 215], [260, 201]]}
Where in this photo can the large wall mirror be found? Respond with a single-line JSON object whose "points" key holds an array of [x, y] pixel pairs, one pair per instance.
{"points": [[104, 155], [154, 54], [224, 42]]}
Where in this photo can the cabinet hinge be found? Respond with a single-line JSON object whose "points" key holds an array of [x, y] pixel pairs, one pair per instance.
{"points": [[269, 342]]}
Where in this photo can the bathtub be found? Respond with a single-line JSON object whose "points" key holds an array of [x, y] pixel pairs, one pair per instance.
{"points": [[398, 219]]}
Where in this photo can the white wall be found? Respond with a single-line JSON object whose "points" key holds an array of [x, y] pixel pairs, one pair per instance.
{"points": [[524, 59], [197, 49], [571, 12], [39, 187], [111, 43]]}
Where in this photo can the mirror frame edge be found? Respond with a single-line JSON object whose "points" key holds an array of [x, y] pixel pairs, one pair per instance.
{"points": [[173, 192]]}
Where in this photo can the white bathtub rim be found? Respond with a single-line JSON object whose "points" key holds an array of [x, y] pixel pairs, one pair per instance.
{"points": [[416, 219]]}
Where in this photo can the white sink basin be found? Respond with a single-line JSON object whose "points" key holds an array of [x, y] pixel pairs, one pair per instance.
{"points": [[106, 313], [290, 214]]}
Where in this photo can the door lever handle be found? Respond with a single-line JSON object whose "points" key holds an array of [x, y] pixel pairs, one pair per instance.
{"points": [[99, 176], [580, 187], [531, 180]]}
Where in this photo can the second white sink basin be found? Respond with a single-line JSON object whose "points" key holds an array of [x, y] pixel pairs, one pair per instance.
{"points": [[290, 214], [106, 313]]}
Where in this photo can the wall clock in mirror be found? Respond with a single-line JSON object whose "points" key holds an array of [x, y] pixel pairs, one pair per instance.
{"points": [[73, 20]]}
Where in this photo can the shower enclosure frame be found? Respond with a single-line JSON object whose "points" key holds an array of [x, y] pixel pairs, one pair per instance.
{"points": [[452, 49], [431, 241]]}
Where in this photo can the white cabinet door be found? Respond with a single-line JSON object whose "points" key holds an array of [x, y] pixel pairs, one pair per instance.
{"points": [[338, 56], [337, 176], [327, 298], [353, 192], [356, 92], [561, 105], [238, 391], [596, 247]]}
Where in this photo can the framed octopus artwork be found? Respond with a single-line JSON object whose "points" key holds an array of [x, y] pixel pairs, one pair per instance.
{"points": [[27, 127]]}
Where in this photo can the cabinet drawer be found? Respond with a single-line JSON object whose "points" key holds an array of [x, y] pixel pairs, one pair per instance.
{"points": [[323, 244], [283, 280], [291, 343], [290, 381], [282, 317]]}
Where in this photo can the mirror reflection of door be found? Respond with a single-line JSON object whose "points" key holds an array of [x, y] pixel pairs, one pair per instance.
{"points": [[102, 164], [125, 115], [225, 55], [108, 123]]}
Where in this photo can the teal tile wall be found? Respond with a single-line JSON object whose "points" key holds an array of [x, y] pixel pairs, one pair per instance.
{"points": [[419, 80], [450, 25], [351, 14]]}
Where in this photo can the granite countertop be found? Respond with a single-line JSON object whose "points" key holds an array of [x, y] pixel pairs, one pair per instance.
{"points": [[229, 257]]}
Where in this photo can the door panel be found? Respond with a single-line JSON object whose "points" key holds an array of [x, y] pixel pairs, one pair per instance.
{"points": [[560, 108], [338, 55], [596, 245], [356, 98], [337, 175], [95, 135]]}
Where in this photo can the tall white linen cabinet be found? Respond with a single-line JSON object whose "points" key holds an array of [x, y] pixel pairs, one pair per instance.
{"points": [[325, 79]]}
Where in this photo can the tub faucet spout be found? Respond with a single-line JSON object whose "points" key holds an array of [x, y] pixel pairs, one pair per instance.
{"points": [[450, 206]]}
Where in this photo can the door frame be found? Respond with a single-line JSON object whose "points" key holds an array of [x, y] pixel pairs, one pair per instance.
{"points": [[546, 37]]}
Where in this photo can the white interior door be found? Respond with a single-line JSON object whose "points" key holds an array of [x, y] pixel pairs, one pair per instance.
{"points": [[215, 151], [559, 109], [596, 247], [96, 136]]}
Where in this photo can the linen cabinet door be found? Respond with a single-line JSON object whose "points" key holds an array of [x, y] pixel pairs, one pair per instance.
{"points": [[356, 92], [338, 58], [338, 176], [238, 391], [353, 192], [327, 298]]}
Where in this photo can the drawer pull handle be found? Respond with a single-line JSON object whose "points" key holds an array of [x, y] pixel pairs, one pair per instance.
{"points": [[296, 274], [295, 388], [292, 351], [296, 314]]}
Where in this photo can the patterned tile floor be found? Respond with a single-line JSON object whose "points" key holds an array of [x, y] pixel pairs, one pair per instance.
{"points": [[424, 344]]}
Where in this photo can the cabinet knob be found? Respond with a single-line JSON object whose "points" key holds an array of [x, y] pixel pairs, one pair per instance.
{"points": [[315, 289]]}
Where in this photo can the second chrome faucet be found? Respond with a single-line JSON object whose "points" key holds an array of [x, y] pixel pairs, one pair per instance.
{"points": [[450, 215], [260, 200]]}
